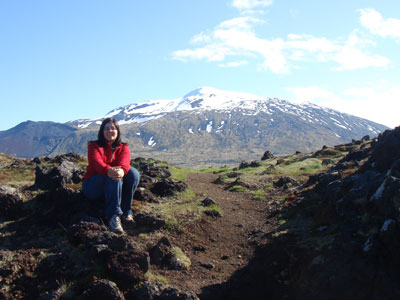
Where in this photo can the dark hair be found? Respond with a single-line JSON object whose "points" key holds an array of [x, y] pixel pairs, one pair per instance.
{"points": [[101, 141]]}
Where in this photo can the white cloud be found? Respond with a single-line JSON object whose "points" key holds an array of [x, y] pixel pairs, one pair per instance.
{"points": [[234, 64], [374, 21], [250, 4], [310, 94], [377, 102], [349, 54], [236, 37], [236, 40], [351, 58]]}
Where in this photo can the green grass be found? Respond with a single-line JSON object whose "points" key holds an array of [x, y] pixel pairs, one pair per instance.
{"points": [[23, 175], [238, 188], [176, 210], [179, 173], [309, 166], [182, 260], [215, 170], [214, 207], [259, 194], [156, 278]]}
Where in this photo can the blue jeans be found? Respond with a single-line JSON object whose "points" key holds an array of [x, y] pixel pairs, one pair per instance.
{"points": [[118, 194]]}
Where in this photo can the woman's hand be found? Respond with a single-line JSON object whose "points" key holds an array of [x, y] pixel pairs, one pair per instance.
{"points": [[115, 173]]}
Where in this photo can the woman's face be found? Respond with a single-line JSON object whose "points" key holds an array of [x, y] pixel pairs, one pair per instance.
{"points": [[110, 132]]}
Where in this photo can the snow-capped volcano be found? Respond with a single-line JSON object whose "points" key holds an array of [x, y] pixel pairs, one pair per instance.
{"points": [[204, 98], [212, 99]]}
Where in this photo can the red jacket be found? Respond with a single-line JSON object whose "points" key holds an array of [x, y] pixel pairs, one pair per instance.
{"points": [[102, 159]]}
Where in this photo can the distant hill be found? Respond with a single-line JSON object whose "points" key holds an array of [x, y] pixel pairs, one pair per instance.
{"points": [[206, 126], [30, 139]]}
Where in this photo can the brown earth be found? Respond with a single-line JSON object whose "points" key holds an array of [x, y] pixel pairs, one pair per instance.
{"points": [[226, 240], [219, 247]]}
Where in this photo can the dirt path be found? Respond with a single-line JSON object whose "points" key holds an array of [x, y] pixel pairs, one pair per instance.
{"points": [[218, 246]]}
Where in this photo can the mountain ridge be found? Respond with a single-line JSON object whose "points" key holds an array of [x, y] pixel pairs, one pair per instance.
{"points": [[210, 126], [207, 98]]}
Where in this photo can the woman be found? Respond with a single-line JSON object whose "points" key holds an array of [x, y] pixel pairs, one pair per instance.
{"points": [[109, 175]]}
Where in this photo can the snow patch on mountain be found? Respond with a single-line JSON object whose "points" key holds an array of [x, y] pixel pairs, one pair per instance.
{"points": [[151, 142]]}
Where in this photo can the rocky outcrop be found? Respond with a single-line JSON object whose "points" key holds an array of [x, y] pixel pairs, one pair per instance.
{"points": [[102, 290], [10, 202], [168, 187], [286, 182], [356, 213], [155, 291], [267, 155], [123, 260], [55, 177], [165, 255]]}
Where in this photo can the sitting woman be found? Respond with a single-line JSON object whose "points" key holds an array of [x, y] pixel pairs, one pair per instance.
{"points": [[109, 175]]}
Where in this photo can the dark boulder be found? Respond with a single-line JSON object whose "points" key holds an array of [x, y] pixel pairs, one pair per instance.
{"points": [[145, 195], [253, 164], [365, 138], [55, 177], [145, 291], [385, 151], [172, 293], [323, 179], [168, 187], [70, 207], [208, 202], [146, 181], [286, 182], [159, 253], [148, 220], [128, 267], [387, 197], [357, 155], [102, 290], [121, 243], [213, 213], [72, 157], [90, 234], [155, 171], [10, 202], [267, 155], [155, 291]]}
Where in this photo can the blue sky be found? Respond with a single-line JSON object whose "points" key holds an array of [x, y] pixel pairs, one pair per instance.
{"points": [[63, 60]]}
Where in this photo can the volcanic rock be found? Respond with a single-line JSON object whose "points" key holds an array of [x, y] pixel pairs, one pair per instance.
{"points": [[10, 202], [102, 290], [55, 177], [168, 187], [267, 155]]}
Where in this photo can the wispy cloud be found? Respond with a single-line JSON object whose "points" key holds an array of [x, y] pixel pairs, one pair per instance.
{"points": [[360, 101], [349, 54], [250, 6], [234, 64], [236, 38], [373, 20]]}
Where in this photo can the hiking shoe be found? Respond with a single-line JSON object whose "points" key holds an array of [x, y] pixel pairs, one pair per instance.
{"points": [[127, 218], [115, 224]]}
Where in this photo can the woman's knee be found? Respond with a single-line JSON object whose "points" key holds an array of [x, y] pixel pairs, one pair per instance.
{"points": [[133, 175]]}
